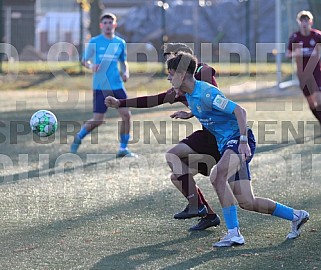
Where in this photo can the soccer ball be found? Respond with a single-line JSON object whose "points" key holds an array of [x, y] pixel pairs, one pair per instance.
{"points": [[43, 123]]}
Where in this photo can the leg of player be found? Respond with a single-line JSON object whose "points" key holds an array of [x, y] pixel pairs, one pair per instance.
{"points": [[187, 187], [315, 99], [199, 163], [183, 179], [226, 167], [124, 134], [243, 192], [97, 120]]}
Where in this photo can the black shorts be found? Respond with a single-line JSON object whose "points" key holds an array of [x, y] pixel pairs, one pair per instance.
{"points": [[203, 142]]}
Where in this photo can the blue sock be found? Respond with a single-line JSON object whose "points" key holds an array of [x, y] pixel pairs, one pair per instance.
{"points": [[283, 211], [124, 138], [230, 216], [82, 133]]}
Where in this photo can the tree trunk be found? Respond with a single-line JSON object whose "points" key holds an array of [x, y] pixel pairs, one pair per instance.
{"points": [[95, 12]]}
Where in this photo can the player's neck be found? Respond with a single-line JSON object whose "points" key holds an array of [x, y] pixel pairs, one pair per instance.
{"points": [[305, 32], [109, 36], [188, 85]]}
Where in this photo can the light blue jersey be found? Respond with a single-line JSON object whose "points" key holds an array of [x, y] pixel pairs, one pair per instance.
{"points": [[106, 52], [215, 112]]}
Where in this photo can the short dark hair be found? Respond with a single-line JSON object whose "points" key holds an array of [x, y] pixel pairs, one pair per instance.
{"points": [[304, 14], [183, 62], [108, 16], [174, 48]]}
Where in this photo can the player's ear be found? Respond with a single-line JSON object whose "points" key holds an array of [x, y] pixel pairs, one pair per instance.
{"points": [[115, 25], [100, 25]]}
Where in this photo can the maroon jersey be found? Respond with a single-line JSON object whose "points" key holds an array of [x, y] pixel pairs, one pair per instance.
{"points": [[310, 52], [203, 73]]}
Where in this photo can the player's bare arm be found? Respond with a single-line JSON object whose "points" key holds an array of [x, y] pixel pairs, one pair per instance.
{"points": [[182, 115], [240, 114], [125, 71]]}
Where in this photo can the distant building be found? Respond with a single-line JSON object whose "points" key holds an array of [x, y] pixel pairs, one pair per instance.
{"points": [[19, 23], [57, 21]]}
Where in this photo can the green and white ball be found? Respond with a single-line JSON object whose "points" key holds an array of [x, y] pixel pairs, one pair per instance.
{"points": [[43, 123]]}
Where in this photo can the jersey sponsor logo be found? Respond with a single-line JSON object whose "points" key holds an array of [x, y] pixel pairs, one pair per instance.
{"points": [[312, 42], [220, 102], [231, 143]]}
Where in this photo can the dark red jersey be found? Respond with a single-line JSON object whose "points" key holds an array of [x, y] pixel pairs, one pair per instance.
{"points": [[309, 51], [203, 73]]}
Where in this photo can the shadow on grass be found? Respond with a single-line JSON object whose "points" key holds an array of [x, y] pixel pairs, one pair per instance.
{"points": [[135, 257], [160, 253]]}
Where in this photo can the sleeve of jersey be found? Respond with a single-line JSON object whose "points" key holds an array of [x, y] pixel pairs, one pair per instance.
{"points": [[152, 101], [291, 40], [123, 55], [206, 74], [223, 104], [89, 51], [148, 101]]}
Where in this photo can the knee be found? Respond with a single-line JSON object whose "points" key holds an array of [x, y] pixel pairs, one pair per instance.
{"points": [[170, 159], [218, 176], [125, 116], [171, 155], [173, 177], [96, 122], [247, 205]]}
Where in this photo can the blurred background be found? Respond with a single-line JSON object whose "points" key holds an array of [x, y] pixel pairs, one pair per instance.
{"points": [[33, 26]]}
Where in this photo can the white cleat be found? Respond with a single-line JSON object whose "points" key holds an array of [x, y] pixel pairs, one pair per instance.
{"points": [[231, 239], [297, 225]]}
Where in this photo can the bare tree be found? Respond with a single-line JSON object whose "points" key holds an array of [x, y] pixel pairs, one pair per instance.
{"points": [[315, 7], [95, 12]]}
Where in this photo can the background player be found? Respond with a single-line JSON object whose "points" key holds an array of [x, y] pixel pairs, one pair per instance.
{"points": [[304, 45], [102, 56]]}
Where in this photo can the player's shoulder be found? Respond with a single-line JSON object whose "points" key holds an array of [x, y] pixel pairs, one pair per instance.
{"points": [[95, 38], [316, 32], [205, 86], [295, 35], [119, 39]]}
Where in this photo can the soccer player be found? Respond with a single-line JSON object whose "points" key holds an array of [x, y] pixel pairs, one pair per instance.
{"points": [[236, 143], [304, 46], [102, 56], [200, 142]]}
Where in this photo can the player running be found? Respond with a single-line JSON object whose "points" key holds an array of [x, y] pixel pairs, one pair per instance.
{"points": [[304, 46], [102, 56]]}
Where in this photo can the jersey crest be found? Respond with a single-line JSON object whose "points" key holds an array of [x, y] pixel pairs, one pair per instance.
{"points": [[220, 102]]}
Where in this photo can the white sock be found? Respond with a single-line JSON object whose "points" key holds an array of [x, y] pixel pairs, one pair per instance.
{"points": [[234, 231], [296, 215]]}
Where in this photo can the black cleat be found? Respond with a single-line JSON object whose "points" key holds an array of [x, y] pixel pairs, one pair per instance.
{"points": [[206, 222], [187, 213]]}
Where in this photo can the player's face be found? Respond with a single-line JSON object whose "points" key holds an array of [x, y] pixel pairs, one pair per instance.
{"points": [[108, 26], [305, 24], [176, 80]]}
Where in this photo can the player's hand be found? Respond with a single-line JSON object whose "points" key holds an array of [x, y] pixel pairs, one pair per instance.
{"points": [[181, 115], [112, 102], [298, 52], [245, 151], [125, 76], [94, 67]]}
